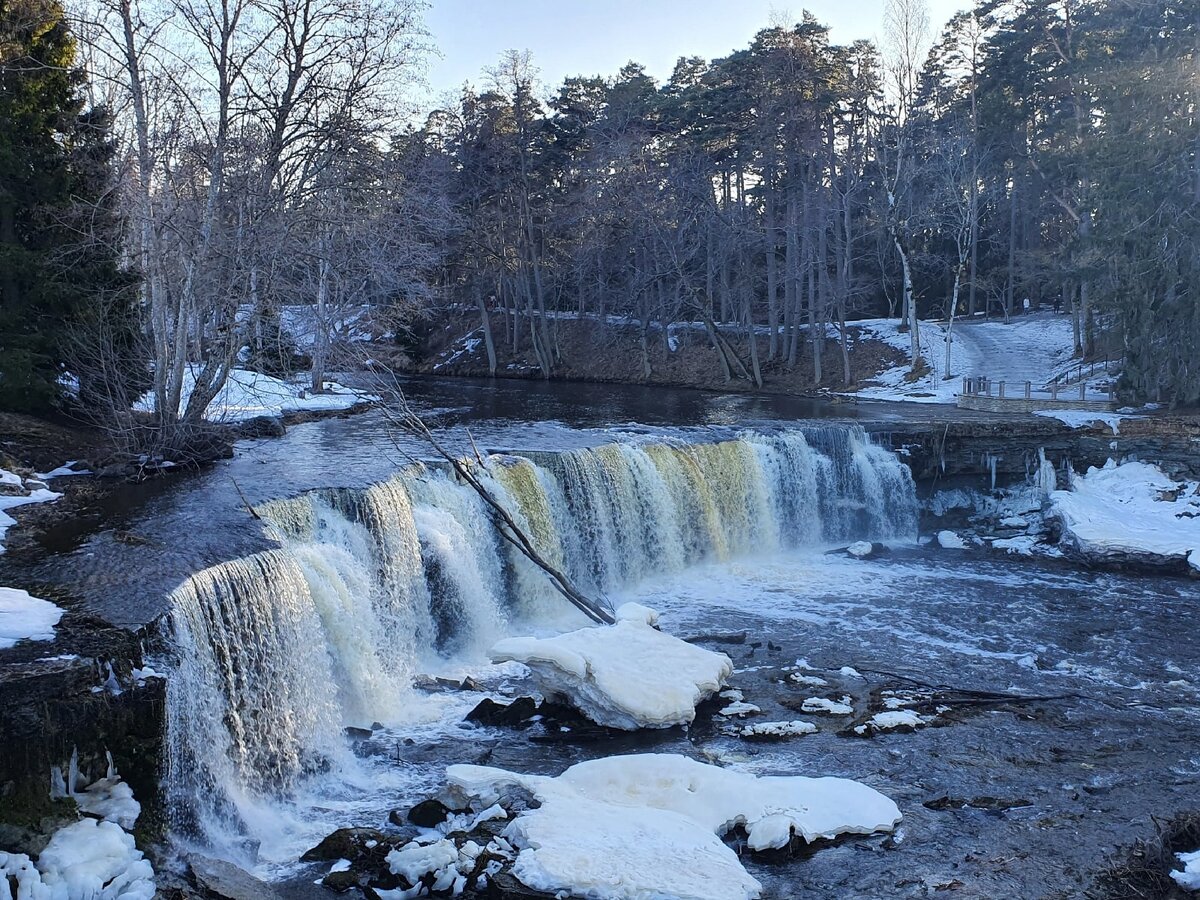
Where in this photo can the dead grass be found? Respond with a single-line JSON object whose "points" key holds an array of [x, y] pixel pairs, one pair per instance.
{"points": [[1144, 872]]}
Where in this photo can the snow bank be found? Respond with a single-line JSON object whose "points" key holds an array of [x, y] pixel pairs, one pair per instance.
{"points": [[647, 825], [1028, 348], [247, 395], [1189, 878], [25, 618], [87, 860], [1120, 513], [627, 675]]}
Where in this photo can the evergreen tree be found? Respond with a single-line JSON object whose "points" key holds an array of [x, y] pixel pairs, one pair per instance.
{"points": [[56, 229]]}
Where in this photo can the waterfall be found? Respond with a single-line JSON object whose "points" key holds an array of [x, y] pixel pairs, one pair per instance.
{"points": [[278, 652]]}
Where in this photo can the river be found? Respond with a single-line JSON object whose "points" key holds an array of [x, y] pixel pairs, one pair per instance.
{"points": [[716, 510]]}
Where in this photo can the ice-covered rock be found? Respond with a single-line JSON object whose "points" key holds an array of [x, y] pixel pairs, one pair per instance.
{"points": [[739, 708], [87, 860], [777, 731], [642, 826], [828, 707], [861, 549], [896, 718], [628, 675], [949, 540], [1124, 513]]}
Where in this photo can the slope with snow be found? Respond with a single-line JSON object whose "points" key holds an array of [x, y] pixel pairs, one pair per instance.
{"points": [[1030, 348], [247, 395]]}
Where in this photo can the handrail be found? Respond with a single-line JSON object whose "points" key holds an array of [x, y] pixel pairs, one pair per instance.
{"points": [[1074, 372], [983, 386]]}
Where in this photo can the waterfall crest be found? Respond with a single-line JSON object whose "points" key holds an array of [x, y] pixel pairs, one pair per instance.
{"points": [[278, 652]]}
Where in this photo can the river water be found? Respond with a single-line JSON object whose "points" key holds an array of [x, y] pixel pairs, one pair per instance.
{"points": [[367, 570]]}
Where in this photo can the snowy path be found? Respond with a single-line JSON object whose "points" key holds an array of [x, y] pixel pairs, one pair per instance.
{"points": [[1030, 348]]}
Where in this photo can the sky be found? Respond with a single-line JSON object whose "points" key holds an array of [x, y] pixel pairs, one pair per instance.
{"points": [[597, 37]]}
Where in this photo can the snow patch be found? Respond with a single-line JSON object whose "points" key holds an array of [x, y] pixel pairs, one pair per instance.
{"points": [[1081, 418], [40, 495], [25, 618], [1189, 878], [248, 395]]}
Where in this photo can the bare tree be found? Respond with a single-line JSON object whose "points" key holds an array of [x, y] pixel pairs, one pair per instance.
{"points": [[906, 31]]}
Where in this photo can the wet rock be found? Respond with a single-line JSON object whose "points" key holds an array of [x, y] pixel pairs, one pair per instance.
{"points": [[735, 637], [489, 712], [505, 886], [993, 804], [345, 880], [262, 426], [351, 843], [221, 879], [428, 813], [358, 734]]}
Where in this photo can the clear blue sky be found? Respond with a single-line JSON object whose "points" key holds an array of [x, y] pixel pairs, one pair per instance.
{"points": [[597, 37]]}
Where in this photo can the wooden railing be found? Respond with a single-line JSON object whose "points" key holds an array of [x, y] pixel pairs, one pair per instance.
{"points": [[983, 386], [1079, 371]]}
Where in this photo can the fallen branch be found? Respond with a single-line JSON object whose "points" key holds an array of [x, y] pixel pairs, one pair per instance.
{"points": [[507, 528]]}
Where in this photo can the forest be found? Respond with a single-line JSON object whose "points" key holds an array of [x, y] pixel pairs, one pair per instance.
{"points": [[179, 177]]}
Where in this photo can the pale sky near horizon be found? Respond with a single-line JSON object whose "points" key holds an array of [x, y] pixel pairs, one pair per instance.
{"points": [[597, 37]]}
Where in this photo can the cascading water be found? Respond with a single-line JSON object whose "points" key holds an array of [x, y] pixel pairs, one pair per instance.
{"points": [[278, 652]]}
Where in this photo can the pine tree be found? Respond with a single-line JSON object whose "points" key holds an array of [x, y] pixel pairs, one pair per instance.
{"points": [[56, 234]]}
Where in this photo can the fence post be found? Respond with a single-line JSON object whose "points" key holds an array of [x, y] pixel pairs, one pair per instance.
{"points": [[1001, 390], [1028, 389], [987, 386], [1054, 389], [1083, 390]]}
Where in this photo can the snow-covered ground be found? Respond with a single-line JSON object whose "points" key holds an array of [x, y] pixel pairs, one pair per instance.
{"points": [[248, 394], [24, 492], [23, 617], [1131, 510], [1081, 418], [1031, 348]]}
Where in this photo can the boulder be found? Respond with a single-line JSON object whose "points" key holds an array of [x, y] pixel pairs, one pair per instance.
{"points": [[221, 879]]}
